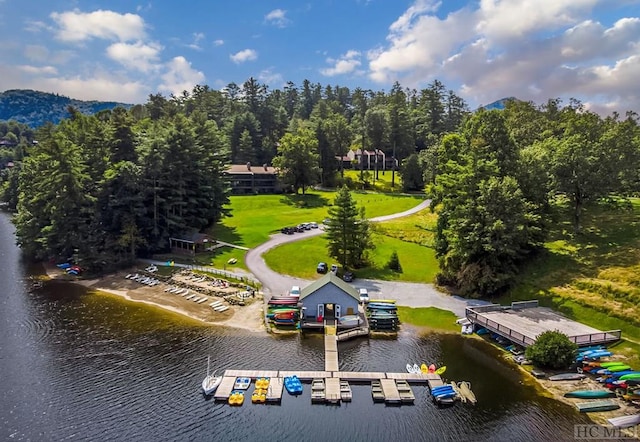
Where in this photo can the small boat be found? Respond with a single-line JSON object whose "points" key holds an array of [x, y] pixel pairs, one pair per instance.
{"points": [[567, 377], [211, 381], [345, 391], [432, 368], [259, 396], [441, 370], [464, 388], [349, 321], [262, 383], [630, 420], [616, 368], [596, 406], [424, 368], [318, 390], [631, 376], [590, 394], [409, 368], [236, 397], [242, 383], [416, 368], [293, 385]]}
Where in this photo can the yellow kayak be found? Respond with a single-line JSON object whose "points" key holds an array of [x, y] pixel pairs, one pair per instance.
{"points": [[424, 368]]}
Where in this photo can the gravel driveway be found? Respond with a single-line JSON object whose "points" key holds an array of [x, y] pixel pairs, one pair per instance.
{"points": [[405, 293]]}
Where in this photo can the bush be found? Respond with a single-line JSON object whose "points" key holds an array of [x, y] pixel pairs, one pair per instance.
{"points": [[552, 349], [394, 263]]}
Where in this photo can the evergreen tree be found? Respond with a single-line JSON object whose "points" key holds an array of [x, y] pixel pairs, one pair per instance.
{"points": [[348, 233]]}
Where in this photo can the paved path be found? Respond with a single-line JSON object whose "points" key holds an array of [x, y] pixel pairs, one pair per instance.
{"points": [[405, 293]]}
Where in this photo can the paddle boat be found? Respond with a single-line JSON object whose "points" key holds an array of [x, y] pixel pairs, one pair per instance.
{"points": [[293, 385], [259, 396], [236, 397], [242, 383], [262, 383]]}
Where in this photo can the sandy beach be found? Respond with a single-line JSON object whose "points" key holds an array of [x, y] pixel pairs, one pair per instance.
{"points": [[247, 317]]}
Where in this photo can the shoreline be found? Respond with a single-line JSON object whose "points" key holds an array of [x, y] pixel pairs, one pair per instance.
{"points": [[248, 317]]}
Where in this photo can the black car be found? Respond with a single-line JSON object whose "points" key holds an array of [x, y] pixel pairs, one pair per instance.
{"points": [[348, 276], [322, 267], [287, 230]]}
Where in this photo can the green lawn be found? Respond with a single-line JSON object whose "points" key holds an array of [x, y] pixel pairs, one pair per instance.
{"points": [[430, 317], [255, 217], [410, 237], [382, 184]]}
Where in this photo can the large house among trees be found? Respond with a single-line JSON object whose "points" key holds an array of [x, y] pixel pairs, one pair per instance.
{"points": [[356, 159], [247, 179]]}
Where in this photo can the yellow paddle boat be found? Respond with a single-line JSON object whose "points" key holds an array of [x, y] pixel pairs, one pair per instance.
{"points": [[259, 396], [236, 397], [262, 383]]}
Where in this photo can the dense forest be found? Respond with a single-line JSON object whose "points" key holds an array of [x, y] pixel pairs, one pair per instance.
{"points": [[35, 108], [108, 187]]}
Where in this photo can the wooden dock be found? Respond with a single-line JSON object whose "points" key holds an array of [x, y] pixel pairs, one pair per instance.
{"points": [[390, 391], [332, 390], [405, 392], [330, 352], [274, 392]]}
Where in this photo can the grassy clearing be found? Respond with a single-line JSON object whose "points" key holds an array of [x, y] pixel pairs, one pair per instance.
{"points": [[430, 317], [255, 217], [301, 258], [381, 184], [593, 276]]}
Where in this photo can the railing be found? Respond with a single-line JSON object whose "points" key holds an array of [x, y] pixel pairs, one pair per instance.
{"points": [[597, 338], [225, 274], [348, 334], [519, 305]]}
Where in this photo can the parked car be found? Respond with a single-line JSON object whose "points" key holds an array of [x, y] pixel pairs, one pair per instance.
{"points": [[302, 227], [295, 291], [348, 276], [364, 295], [334, 268], [322, 267], [313, 225], [288, 230]]}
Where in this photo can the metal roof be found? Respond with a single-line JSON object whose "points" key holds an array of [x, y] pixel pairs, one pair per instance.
{"points": [[330, 278]]}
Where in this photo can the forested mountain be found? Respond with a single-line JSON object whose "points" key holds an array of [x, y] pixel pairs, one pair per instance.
{"points": [[115, 185], [35, 108]]}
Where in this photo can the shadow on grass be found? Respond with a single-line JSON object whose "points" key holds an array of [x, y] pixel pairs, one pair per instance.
{"points": [[307, 201], [228, 234]]}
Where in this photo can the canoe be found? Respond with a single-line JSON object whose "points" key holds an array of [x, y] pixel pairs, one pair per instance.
{"points": [[597, 406], [630, 376], [590, 394], [630, 420], [441, 370], [424, 368], [567, 377], [616, 368]]}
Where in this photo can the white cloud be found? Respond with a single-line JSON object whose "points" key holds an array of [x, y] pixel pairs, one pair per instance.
{"points": [[218, 42], [136, 56], [38, 70], [76, 26], [271, 78], [345, 64], [180, 76], [244, 55], [197, 37], [531, 49], [277, 17]]}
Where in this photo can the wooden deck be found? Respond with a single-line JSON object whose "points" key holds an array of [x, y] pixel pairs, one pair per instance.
{"points": [[330, 352], [274, 392], [390, 391], [332, 390]]}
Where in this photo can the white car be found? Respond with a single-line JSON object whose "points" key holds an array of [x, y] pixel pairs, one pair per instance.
{"points": [[295, 291], [364, 295]]}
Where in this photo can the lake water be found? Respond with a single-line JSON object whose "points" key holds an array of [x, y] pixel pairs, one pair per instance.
{"points": [[83, 366]]}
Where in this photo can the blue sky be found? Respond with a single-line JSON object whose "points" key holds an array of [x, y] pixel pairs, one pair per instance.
{"points": [[124, 50]]}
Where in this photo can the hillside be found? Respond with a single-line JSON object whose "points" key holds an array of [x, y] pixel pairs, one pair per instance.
{"points": [[35, 108], [498, 104]]}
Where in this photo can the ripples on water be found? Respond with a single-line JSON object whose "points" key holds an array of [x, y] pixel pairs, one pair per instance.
{"points": [[78, 366]]}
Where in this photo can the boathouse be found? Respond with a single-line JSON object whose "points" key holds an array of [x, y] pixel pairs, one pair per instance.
{"points": [[328, 298]]}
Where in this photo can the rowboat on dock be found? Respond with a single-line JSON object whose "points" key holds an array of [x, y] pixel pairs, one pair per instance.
{"points": [[596, 406], [345, 391]]}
